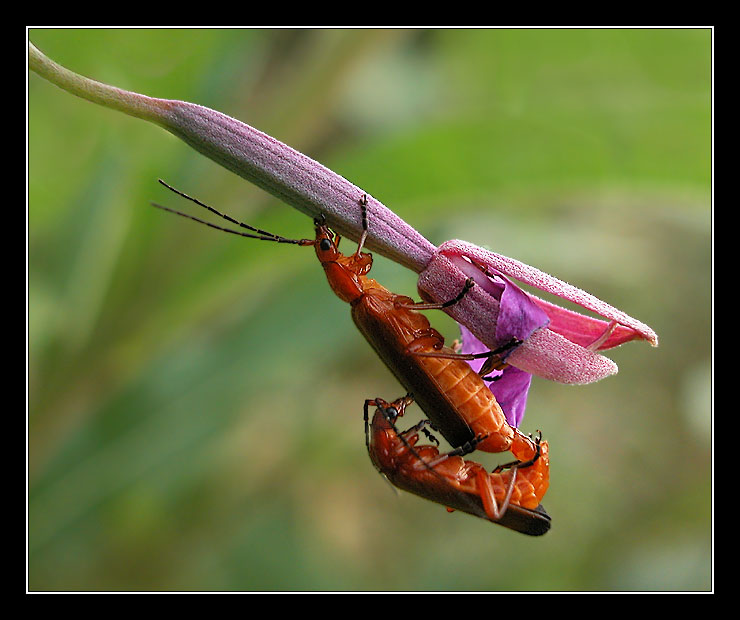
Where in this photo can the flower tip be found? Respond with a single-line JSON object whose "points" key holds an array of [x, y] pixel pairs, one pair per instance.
{"points": [[614, 335]]}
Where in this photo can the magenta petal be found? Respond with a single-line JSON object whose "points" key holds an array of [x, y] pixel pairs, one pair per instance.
{"points": [[518, 315], [511, 392], [511, 386]]}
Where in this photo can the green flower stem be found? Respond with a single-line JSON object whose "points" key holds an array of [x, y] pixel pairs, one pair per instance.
{"points": [[147, 108], [280, 170]]}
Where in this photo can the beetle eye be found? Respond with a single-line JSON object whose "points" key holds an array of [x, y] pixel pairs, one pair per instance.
{"points": [[325, 244], [391, 413]]}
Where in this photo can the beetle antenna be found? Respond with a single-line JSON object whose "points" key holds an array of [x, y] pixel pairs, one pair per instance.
{"points": [[262, 235]]}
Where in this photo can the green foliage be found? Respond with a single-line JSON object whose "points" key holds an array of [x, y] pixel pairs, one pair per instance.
{"points": [[195, 416]]}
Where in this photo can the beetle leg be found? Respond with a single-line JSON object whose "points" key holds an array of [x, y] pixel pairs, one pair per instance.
{"points": [[493, 358], [487, 495], [469, 283], [466, 448], [363, 209], [520, 464]]}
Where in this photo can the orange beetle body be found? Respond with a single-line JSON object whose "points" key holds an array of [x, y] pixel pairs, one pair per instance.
{"points": [[454, 397], [510, 498]]}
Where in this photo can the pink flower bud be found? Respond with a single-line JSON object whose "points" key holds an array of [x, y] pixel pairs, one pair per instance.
{"points": [[560, 344]]}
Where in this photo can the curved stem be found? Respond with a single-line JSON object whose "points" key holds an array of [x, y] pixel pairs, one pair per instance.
{"points": [[131, 103]]}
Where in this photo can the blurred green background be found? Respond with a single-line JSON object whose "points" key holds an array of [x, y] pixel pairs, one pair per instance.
{"points": [[195, 399]]}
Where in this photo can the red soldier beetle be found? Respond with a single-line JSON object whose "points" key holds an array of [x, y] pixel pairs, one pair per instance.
{"points": [[455, 398], [509, 498]]}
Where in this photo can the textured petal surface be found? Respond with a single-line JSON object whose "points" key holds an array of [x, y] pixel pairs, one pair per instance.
{"points": [[551, 356]]}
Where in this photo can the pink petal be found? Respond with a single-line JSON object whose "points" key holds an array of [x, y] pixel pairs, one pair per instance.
{"points": [[511, 386], [549, 355], [585, 330]]}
